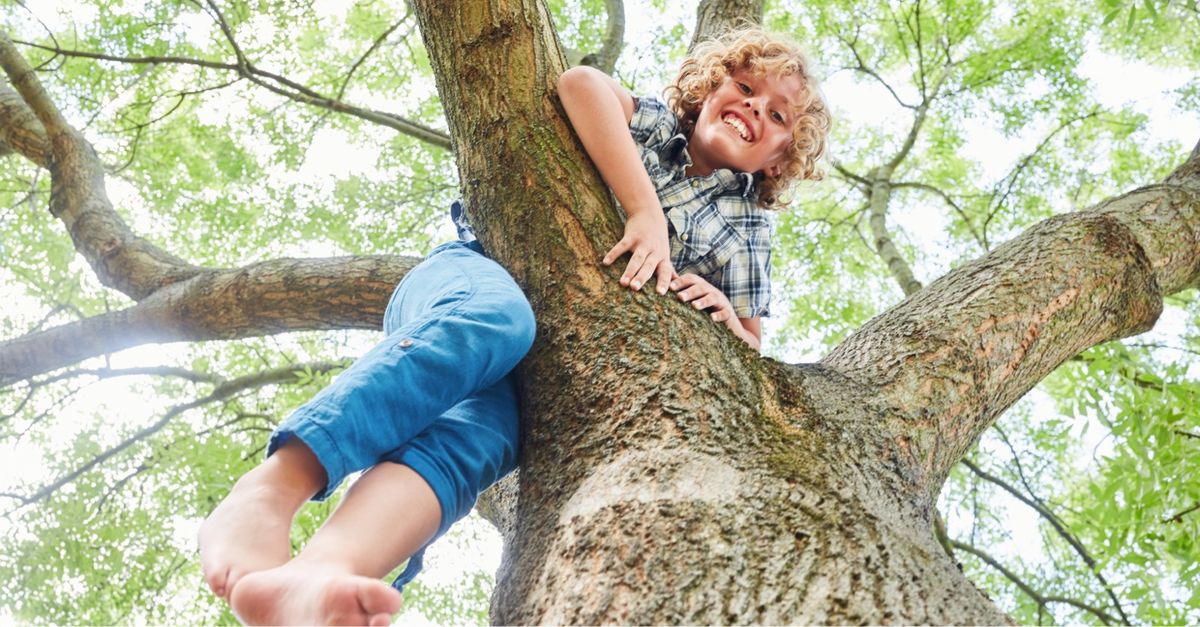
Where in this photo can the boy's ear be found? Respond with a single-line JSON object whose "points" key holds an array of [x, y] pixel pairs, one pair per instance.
{"points": [[773, 171]]}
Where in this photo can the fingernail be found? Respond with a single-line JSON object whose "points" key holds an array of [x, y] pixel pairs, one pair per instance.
{"points": [[637, 285], [674, 285], [696, 304]]}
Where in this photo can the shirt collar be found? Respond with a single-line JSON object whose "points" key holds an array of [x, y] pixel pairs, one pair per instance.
{"points": [[724, 180]]}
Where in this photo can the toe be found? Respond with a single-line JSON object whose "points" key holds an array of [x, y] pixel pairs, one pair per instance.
{"points": [[216, 580], [379, 599]]}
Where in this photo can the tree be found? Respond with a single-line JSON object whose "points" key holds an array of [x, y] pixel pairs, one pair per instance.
{"points": [[669, 474]]}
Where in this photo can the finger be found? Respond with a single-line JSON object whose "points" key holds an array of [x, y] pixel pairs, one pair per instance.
{"points": [[616, 251], [635, 266], [665, 273], [683, 281], [644, 274], [721, 315], [704, 302]]}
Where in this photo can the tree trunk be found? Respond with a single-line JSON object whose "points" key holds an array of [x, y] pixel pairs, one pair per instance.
{"points": [[672, 475]]}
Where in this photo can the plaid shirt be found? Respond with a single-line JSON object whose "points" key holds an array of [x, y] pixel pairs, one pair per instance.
{"points": [[716, 227]]}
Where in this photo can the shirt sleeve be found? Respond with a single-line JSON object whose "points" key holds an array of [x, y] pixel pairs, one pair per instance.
{"points": [[652, 124], [746, 278]]}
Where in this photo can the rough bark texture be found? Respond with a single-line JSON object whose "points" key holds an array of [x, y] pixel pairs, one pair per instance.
{"points": [[714, 17], [671, 475]]}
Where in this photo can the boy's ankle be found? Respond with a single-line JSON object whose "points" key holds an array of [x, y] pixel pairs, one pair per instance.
{"points": [[286, 475]]}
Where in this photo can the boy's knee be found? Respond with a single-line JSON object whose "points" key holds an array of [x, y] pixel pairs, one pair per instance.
{"points": [[524, 324]]}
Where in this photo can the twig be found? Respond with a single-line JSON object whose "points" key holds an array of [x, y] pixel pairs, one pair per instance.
{"points": [[221, 392], [1179, 517], [1038, 598], [297, 92], [1058, 527]]}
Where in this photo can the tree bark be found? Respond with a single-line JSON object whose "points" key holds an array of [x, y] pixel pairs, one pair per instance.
{"points": [[670, 474]]}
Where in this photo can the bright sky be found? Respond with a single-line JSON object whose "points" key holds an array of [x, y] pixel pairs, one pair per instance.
{"points": [[1117, 83]]}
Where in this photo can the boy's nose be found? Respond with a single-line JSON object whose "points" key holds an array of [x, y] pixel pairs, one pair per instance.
{"points": [[752, 105]]}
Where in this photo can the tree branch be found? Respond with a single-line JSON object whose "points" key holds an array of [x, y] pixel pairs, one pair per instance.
{"points": [[980, 238], [1179, 517], [120, 259], [296, 92], [953, 356], [221, 392], [20, 129], [1037, 597], [881, 193], [614, 39], [374, 46], [1013, 176], [260, 299], [861, 67], [1059, 528], [715, 17]]}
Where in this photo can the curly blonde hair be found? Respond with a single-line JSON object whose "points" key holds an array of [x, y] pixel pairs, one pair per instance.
{"points": [[761, 53]]}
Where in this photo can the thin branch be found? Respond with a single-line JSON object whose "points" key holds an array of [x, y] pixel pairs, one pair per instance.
{"points": [[1037, 597], [884, 246], [374, 46], [1179, 517], [298, 93], [980, 238], [1013, 176], [614, 38], [916, 33], [861, 182], [1058, 527], [221, 392], [861, 67]]}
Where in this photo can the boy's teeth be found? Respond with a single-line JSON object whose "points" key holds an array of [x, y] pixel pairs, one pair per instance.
{"points": [[738, 126]]}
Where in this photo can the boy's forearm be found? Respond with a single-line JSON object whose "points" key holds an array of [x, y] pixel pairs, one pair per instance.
{"points": [[600, 110]]}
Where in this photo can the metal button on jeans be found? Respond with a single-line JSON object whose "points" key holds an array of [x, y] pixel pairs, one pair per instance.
{"points": [[405, 343]]}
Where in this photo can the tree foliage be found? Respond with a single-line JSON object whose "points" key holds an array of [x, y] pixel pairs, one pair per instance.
{"points": [[235, 132]]}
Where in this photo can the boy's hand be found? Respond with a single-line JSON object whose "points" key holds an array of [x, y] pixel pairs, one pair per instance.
{"points": [[646, 238], [691, 288]]}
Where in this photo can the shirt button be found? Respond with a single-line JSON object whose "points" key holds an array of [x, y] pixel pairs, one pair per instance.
{"points": [[683, 237], [405, 343]]}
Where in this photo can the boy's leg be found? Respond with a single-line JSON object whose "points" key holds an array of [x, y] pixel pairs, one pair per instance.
{"points": [[387, 516], [456, 324], [249, 530]]}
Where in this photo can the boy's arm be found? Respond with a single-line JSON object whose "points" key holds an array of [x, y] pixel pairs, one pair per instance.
{"points": [[695, 289], [600, 110], [754, 326]]}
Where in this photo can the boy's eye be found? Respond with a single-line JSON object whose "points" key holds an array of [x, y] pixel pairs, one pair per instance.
{"points": [[777, 116], [744, 88]]}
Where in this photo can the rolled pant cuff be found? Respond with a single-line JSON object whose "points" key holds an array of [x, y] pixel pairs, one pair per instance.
{"points": [[320, 443]]}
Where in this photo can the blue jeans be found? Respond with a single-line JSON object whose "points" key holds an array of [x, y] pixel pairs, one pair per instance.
{"points": [[437, 394]]}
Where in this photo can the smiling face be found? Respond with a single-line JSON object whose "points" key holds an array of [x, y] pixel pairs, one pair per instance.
{"points": [[745, 124]]}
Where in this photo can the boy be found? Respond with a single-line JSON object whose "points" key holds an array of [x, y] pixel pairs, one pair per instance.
{"points": [[436, 399]]}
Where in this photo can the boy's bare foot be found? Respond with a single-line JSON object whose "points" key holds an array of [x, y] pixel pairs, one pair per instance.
{"points": [[247, 532], [300, 593]]}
